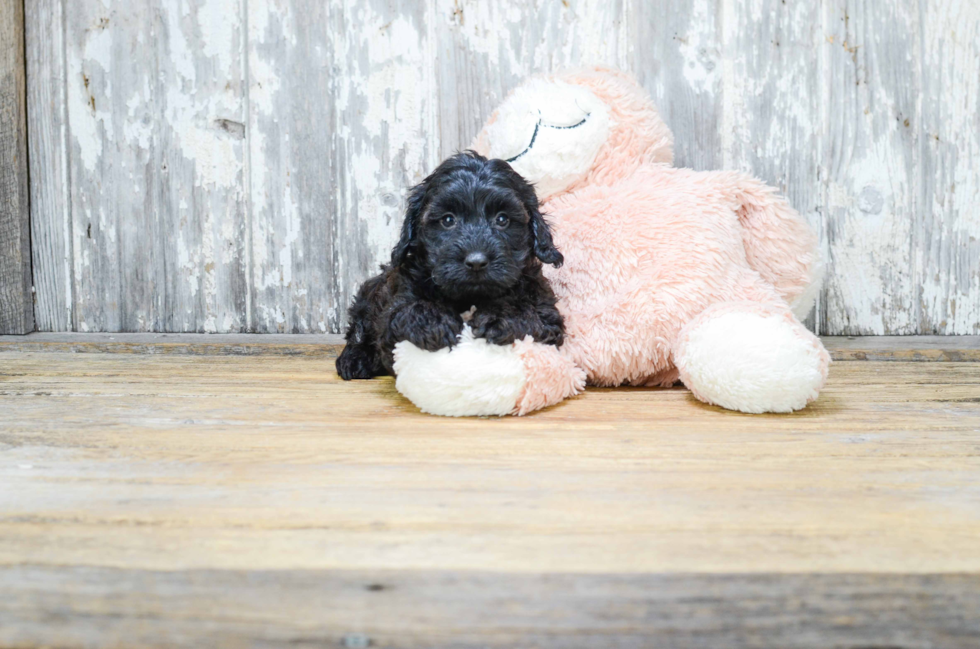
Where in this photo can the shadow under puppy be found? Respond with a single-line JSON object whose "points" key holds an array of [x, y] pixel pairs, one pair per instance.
{"points": [[473, 237]]}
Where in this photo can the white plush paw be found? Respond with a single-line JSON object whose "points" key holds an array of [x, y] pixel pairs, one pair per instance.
{"points": [[473, 378], [752, 362]]}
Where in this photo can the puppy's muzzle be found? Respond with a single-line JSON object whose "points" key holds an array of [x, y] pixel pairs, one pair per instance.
{"points": [[476, 261]]}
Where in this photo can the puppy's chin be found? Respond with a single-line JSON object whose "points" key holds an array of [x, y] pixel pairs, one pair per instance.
{"points": [[456, 283], [473, 290]]}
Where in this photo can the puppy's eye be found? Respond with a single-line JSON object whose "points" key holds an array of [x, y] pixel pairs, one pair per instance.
{"points": [[501, 220], [448, 221]]}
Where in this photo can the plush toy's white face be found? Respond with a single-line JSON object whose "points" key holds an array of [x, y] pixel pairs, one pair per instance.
{"points": [[550, 132]]}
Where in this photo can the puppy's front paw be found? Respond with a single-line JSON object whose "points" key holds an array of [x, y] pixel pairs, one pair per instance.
{"points": [[357, 362], [546, 326], [427, 328], [439, 334], [497, 331], [549, 335]]}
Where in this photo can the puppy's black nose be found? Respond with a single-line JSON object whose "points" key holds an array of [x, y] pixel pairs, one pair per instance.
{"points": [[476, 261]]}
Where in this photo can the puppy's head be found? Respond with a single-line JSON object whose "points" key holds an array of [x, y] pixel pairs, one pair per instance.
{"points": [[475, 227]]}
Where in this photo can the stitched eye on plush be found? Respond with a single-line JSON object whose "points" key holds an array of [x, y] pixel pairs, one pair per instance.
{"points": [[550, 132]]}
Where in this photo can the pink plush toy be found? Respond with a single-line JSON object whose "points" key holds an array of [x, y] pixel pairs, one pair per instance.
{"points": [[669, 273]]}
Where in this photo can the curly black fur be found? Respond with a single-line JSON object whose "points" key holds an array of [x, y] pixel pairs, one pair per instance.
{"points": [[473, 236]]}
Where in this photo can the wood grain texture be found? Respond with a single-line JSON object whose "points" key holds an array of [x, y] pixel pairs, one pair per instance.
{"points": [[770, 127], [16, 300], [960, 349], [903, 348], [67, 607], [872, 163], [48, 140], [335, 143], [327, 345], [156, 111], [677, 55], [290, 133], [294, 127], [948, 237], [260, 500]]}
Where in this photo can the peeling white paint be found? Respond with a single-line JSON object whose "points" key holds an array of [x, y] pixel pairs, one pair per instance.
{"points": [[146, 141], [217, 39], [395, 118], [698, 49], [89, 113]]}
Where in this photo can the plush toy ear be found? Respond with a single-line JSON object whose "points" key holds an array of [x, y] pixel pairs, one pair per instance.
{"points": [[410, 227]]}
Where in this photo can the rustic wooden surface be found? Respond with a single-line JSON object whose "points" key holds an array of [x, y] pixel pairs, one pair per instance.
{"points": [[51, 223], [16, 301], [155, 94], [947, 249], [473, 609], [240, 165], [963, 349], [872, 170], [192, 344], [903, 348], [230, 501]]}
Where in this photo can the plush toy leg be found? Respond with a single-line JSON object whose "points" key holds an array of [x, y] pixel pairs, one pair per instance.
{"points": [[552, 376], [751, 357], [475, 378]]}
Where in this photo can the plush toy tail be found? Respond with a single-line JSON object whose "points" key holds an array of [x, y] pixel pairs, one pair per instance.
{"points": [[779, 244]]}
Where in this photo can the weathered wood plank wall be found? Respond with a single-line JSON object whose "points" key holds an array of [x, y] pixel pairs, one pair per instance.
{"points": [[16, 300], [240, 165]]}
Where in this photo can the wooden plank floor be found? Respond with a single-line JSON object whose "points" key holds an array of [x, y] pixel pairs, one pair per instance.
{"points": [[257, 500]]}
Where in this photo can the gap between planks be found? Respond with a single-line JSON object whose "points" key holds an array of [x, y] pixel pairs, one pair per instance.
{"points": [[842, 348]]}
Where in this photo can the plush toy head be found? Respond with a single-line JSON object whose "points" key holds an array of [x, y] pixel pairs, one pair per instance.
{"points": [[575, 129]]}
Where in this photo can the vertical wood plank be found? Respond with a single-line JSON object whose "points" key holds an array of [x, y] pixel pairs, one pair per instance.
{"points": [[48, 145], [677, 51], [871, 163], [384, 140], [156, 110], [771, 79], [292, 189], [341, 111], [948, 242], [486, 48], [16, 304]]}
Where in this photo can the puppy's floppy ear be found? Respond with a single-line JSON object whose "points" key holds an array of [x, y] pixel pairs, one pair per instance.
{"points": [[410, 227], [544, 246]]}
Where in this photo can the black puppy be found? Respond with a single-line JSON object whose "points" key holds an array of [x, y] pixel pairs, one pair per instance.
{"points": [[472, 236]]}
